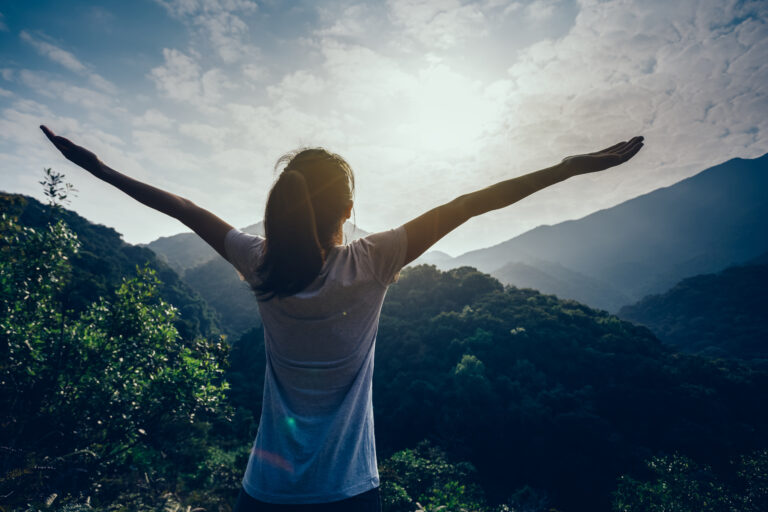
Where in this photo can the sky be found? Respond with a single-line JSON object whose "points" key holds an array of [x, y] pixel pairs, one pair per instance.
{"points": [[426, 99]]}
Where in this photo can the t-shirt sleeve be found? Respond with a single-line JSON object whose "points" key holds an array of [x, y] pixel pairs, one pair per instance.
{"points": [[385, 252], [243, 251]]}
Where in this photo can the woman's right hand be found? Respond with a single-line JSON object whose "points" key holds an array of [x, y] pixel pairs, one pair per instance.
{"points": [[72, 152], [604, 159]]}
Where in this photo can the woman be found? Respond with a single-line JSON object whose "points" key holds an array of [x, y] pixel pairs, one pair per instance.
{"points": [[320, 302]]}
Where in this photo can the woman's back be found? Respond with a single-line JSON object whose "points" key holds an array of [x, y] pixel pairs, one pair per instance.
{"points": [[316, 430]]}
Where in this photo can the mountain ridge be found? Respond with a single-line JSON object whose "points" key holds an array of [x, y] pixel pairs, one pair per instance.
{"points": [[614, 256], [701, 224]]}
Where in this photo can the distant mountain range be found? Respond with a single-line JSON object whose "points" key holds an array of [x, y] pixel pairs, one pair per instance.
{"points": [[716, 315], [187, 250], [105, 259], [616, 256], [215, 279], [609, 259]]}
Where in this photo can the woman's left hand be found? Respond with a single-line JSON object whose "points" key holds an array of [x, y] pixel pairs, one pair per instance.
{"points": [[604, 159], [72, 152]]}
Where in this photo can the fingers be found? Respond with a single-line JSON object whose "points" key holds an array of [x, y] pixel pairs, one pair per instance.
{"points": [[631, 150], [61, 143], [612, 148], [631, 145], [621, 146], [48, 133]]}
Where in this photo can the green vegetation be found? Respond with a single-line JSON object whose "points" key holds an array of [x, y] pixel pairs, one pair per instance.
{"points": [[717, 315], [537, 391], [681, 485], [527, 403], [423, 477], [102, 397], [219, 284], [104, 259]]}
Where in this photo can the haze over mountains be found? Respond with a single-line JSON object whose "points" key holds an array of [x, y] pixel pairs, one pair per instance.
{"points": [[609, 259], [716, 315], [617, 256], [215, 279], [187, 250]]}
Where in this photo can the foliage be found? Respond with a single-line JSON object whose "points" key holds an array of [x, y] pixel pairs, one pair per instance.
{"points": [[550, 400], [91, 396], [424, 478], [55, 188], [681, 485], [719, 315], [219, 284], [103, 259], [548, 393]]}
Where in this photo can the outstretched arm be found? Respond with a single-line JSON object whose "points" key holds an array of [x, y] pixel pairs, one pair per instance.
{"points": [[207, 225], [425, 230]]}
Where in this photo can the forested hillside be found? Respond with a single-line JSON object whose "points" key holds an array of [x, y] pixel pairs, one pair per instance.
{"points": [[104, 259], [219, 284], [538, 392], [187, 250], [214, 278], [718, 315], [609, 259], [487, 398]]}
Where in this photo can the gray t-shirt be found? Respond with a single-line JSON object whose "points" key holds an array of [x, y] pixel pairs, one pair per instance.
{"points": [[315, 441]]}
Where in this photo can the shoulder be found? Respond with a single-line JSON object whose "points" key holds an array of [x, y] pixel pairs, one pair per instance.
{"points": [[243, 249], [383, 253]]}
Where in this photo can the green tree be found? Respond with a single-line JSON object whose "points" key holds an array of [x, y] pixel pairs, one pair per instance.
{"points": [[423, 479], [680, 485], [88, 396]]}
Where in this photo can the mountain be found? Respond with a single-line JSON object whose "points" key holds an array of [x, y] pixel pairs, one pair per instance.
{"points": [[215, 279], [555, 279], [104, 259], [437, 258], [702, 224], [187, 250], [718, 315], [219, 284], [608, 259], [536, 391]]}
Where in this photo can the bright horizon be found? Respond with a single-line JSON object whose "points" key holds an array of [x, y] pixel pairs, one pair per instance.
{"points": [[427, 100]]}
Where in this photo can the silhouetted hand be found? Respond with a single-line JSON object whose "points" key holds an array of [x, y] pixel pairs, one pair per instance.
{"points": [[72, 152], [604, 159]]}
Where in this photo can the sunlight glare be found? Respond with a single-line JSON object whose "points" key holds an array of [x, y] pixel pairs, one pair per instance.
{"points": [[448, 113]]}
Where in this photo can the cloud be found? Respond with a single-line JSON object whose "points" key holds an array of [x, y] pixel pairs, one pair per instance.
{"points": [[3, 26], [216, 19], [101, 17], [69, 61], [210, 136], [153, 118], [55, 89], [691, 77], [182, 79], [352, 22], [407, 93], [439, 24], [255, 72], [54, 53], [299, 83], [540, 10]]}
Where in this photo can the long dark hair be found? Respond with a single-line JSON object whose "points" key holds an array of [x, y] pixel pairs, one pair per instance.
{"points": [[305, 209]]}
